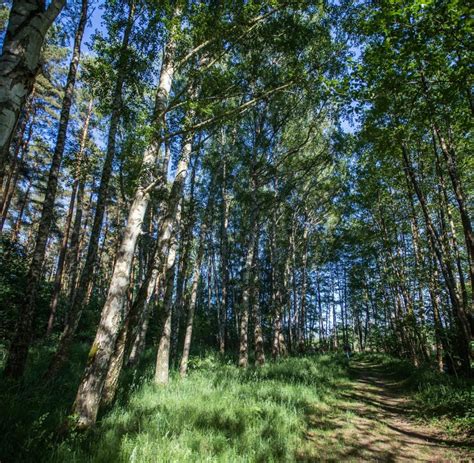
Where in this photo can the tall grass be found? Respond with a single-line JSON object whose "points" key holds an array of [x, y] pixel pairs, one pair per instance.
{"points": [[218, 413]]}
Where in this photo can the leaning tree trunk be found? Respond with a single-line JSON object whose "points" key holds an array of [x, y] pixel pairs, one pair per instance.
{"points": [[136, 341], [14, 174], [451, 161], [450, 158], [28, 23], [115, 366], [79, 296], [167, 249], [163, 355], [20, 344], [462, 323], [138, 307], [86, 405], [22, 139]]}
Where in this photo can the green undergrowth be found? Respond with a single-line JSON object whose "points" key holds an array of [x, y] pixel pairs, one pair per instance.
{"points": [[437, 398], [218, 413]]}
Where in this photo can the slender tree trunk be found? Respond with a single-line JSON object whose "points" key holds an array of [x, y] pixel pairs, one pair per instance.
{"points": [[163, 356], [23, 139], [183, 367], [167, 249], [138, 343], [302, 319], [19, 220], [88, 396], [20, 344], [224, 251], [58, 279], [28, 24], [115, 366], [275, 294], [183, 267], [12, 181], [438, 328], [451, 161], [459, 315], [143, 302], [78, 300], [450, 158], [247, 283], [256, 315], [75, 246]]}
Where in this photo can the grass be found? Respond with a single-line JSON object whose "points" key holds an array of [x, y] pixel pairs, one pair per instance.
{"points": [[219, 413]]}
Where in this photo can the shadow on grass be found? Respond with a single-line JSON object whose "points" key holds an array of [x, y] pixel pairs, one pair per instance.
{"points": [[224, 414]]}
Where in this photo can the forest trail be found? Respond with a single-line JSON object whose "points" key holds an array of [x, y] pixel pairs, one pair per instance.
{"points": [[372, 422]]}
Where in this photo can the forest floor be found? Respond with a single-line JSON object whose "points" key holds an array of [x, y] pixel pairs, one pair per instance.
{"points": [[373, 421], [309, 409]]}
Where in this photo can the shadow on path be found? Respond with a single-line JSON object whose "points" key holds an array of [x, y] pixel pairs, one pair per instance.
{"points": [[371, 422]]}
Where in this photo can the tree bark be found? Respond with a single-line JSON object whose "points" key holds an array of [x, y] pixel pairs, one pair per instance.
{"points": [[224, 251], [88, 396], [58, 279], [256, 315], [20, 344], [459, 314], [183, 367], [167, 248], [79, 295], [247, 289], [28, 24]]}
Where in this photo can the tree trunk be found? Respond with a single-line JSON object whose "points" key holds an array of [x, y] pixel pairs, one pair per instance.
{"points": [[12, 181], [21, 148], [88, 396], [115, 367], [438, 247], [20, 344], [89, 393], [163, 356], [256, 315], [28, 24], [79, 295], [142, 303], [167, 248], [183, 367], [58, 279], [224, 251], [302, 318], [247, 290]]}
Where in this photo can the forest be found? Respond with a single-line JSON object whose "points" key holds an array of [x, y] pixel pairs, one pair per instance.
{"points": [[236, 231]]}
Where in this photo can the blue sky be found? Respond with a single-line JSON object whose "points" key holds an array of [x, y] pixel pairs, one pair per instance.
{"points": [[95, 23]]}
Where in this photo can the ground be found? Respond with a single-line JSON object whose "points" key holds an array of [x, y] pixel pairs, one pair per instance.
{"points": [[372, 422], [313, 408]]}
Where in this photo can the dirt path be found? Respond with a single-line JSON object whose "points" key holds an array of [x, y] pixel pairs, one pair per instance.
{"points": [[372, 423]]}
